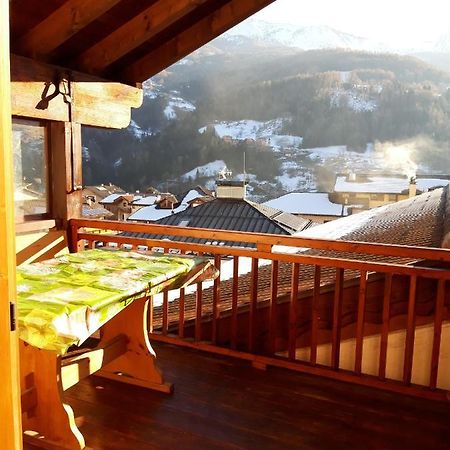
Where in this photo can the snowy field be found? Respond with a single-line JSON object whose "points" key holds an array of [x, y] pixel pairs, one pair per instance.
{"points": [[268, 132]]}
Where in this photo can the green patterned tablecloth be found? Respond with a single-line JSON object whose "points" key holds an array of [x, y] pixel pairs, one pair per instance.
{"points": [[62, 301]]}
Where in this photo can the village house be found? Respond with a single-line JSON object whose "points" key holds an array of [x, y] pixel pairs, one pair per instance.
{"points": [[366, 191], [119, 205], [229, 210], [352, 321]]}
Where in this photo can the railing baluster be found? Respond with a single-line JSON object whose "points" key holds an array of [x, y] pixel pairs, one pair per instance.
{"points": [[198, 309], [216, 301], [438, 318], [386, 315], [165, 318], [410, 331], [337, 319], [198, 312], [293, 307], [273, 307], [181, 313], [360, 321], [234, 302], [253, 306], [315, 314]]}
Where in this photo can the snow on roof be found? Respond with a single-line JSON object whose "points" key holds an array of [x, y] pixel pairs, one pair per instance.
{"points": [[425, 184], [152, 213], [307, 203], [145, 201], [191, 195], [385, 184], [111, 198]]}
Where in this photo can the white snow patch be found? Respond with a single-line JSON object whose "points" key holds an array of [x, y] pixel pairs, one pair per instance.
{"points": [[138, 131], [256, 130], [313, 203], [207, 170], [353, 99], [177, 103]]}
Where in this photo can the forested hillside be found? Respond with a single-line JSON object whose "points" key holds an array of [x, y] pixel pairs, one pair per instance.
{"points": [[324, 97]]}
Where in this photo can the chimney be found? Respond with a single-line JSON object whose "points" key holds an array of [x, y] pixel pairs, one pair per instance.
{"points": [[230, 189], [412, 187]]}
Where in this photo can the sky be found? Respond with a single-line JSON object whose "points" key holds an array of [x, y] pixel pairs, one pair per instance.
{"points": [[400, 22]]}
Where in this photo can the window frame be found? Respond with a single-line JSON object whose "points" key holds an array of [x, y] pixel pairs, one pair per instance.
{"points": [[46, 216]]}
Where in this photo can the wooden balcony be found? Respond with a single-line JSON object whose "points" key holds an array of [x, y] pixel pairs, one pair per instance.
{"points": [[223, 403], [369, 314]]}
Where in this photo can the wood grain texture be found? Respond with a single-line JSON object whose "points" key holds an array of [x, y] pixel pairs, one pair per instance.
{"points": [[10, 423], [95, 101], [71, 17], [40, 369], [186, 41], [367, 248], [142, 28], [221, 403]]}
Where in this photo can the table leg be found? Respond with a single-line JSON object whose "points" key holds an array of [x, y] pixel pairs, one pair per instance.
{"points": [[48, 422], [138, 365]]}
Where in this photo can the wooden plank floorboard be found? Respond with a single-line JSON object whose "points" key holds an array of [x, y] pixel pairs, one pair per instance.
{"points": [[221, 403]]}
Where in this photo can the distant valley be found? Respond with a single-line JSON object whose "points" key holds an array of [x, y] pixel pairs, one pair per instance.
{"points": [[299, 116]]}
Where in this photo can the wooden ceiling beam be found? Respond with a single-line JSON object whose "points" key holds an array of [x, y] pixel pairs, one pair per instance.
{"points": [[71, 17], [191, 39], [134, 33]]}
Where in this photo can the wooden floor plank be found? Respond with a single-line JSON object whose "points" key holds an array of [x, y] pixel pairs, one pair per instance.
{"points": [[221, 403]]}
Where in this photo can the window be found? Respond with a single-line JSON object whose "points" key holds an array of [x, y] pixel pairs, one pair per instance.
{"points": [[392, 197], [379, 197], [31, 193]]}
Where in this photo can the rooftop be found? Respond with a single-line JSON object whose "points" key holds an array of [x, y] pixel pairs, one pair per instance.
{"points": [[310, 203], [230, 214], [386, 184], [419, 221]]}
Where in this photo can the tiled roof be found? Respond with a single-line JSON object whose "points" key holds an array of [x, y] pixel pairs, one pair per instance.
{"points": [[417, 221], [98, 211], [230, 214]]}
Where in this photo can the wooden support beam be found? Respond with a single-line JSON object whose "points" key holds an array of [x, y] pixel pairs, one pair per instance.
{"points": [[65, 141], [71, 17], [74, 369], [192, 38], [142, 28], [94, 101], [10, 423]]}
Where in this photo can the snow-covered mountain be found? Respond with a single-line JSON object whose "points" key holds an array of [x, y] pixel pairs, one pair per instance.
{"points": [[312, 37], [298, 36]]}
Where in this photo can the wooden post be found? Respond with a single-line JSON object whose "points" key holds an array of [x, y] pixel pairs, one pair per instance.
{"points": [[10, 415]]}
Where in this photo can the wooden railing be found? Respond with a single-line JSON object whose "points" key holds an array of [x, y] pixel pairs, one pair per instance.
{"points": [[367, 313]]}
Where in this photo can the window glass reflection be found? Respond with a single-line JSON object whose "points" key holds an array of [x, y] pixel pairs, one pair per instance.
{"points": [[30, 170]]}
